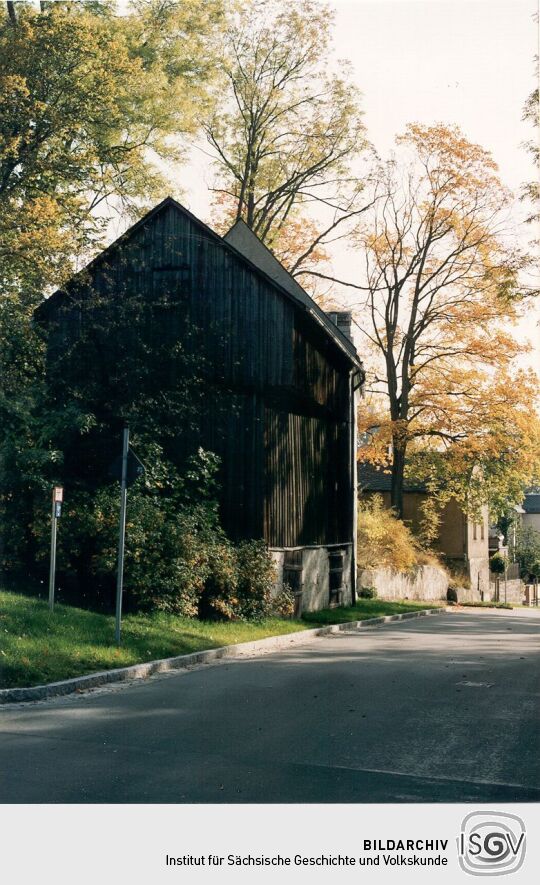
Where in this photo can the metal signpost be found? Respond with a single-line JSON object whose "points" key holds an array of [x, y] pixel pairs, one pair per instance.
{"points": [[121, 535], [57, 498], [126, 469]]}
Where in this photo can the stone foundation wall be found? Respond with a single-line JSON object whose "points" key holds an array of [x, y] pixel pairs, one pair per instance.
{"points": [[424, 582], [315, 576], [478, 568], [515, 592]]}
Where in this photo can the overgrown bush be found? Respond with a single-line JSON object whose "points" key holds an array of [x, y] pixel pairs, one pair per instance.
{"points": [[174, 541], [367, 593], [256, 576], [452, 593], [383, 540], [177, 557], [282, 604], [239, 584], [497, 564]]}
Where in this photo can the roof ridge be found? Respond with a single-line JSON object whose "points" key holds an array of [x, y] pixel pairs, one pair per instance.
{"points": [[311, 307]]}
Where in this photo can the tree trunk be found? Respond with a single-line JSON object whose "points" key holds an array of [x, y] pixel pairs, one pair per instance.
{"points": [[11, 11], [398, 471], [250, 219]]}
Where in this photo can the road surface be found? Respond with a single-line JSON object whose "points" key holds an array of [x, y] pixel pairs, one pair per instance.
{"points": [[438, 709]]}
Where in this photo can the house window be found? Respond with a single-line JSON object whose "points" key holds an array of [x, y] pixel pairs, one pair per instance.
{"points": [[335, 571], [482, 531], [474, 532]]}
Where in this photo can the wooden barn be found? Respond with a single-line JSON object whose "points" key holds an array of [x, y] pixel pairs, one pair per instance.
{"points": [[288, 376]]}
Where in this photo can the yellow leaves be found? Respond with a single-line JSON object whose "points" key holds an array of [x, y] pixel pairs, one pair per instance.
{"points": [[77, 117], [446, 143], [384, 540]]}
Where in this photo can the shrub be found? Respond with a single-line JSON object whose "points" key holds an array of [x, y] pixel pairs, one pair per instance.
{"points": [[256, 576], [384, 540], [367, 593], [178, 559], [282, 604], [487, 605], [174, 542], [452, 593], [239, 584], [497, 564]]}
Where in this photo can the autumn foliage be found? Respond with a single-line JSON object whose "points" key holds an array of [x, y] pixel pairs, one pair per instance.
{"points": [[442, 300]]}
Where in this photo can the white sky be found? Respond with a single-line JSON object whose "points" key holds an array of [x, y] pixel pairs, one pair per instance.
{"points": [[468, 62]]}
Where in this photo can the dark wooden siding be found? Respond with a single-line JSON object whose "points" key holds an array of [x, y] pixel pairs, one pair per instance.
{"points": [[283, 436], [307, 484]]}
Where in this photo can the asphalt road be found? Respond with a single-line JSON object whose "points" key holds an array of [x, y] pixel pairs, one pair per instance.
{"points": [[439, 709]]}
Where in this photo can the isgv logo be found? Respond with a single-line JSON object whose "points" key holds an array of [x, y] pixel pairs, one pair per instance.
{"points": [[491, 843]]}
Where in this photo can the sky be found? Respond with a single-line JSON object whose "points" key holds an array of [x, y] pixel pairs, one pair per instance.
{"points": [[468, 62]]}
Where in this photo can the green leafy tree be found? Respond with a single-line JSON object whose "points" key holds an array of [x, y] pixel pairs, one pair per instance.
{"points": [[90, 102], [527, 551], [498, 564], [287, 128]]}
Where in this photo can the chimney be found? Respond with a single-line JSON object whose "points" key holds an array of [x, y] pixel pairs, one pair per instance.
{"points": [[343, 320]]}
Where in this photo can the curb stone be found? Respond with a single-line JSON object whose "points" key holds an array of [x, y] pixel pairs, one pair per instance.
{"points": [[181, 662]]}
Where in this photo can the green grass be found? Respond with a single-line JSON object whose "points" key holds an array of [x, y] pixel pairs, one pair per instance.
{"points": [[38, 647], [366, 608], [486, 605]]}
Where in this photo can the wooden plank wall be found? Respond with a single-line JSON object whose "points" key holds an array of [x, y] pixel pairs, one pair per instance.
{"points": [[284, 441]]}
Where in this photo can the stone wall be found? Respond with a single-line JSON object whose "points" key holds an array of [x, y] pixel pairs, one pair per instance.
{"points": [[478, 568], [424, 582], [315, 576], [514, 593]]}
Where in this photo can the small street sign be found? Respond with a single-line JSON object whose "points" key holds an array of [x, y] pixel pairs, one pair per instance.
{"points": [[57, 498], [135, 468]]}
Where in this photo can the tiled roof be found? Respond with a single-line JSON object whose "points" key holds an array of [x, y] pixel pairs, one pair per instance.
{"points": [[378, 479], [531, 504]]}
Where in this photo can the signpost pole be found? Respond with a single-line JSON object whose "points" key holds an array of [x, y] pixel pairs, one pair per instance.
{"points": [[52, 567], [57, 498], [121, 536]]}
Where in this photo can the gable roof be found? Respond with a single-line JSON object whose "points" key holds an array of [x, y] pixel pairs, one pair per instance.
{"points": [[377, 479], [245, 241], [531, 504], [261, 265]]}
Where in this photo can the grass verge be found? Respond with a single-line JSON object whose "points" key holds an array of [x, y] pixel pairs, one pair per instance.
{"points": [[486, 605], [366, 608], [37, 647]]}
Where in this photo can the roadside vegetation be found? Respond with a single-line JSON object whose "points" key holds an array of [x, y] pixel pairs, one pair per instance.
{"points": [[367, 608], [486, 605], [384, 541], [38, 647]]}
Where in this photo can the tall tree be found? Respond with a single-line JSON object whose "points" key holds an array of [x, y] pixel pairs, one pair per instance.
{"points": [[531, 114], [287, 127], [89, 100], [440, 281]]}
